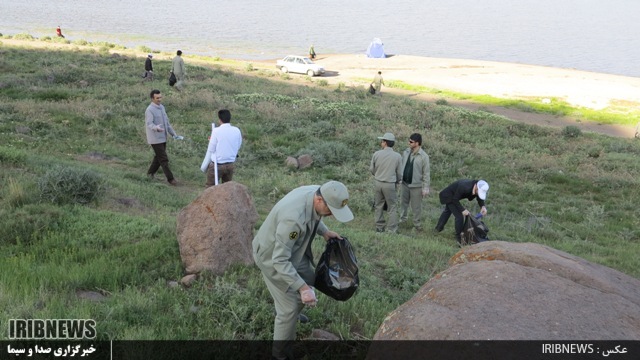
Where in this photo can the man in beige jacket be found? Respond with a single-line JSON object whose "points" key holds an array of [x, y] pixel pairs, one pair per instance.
{"points": [[387, 171], [415, 180], [177, 66]]}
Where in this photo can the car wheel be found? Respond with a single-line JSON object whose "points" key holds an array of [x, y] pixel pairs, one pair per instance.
{"points": [[284, 69], [310, 73]]}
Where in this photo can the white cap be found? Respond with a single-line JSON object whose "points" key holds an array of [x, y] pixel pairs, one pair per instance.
{"points": [[483, 187], [336, 196]]}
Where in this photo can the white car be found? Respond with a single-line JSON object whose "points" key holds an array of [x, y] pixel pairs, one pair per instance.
{"points": [[299, 64]]}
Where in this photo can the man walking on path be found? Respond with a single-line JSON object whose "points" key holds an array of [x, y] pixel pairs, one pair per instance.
{"points": [[223, 149], [282, 251], [386, 167], [177, 66], [415, 180], [450, 197], [157, 126], [148, 68], [377, 82]]}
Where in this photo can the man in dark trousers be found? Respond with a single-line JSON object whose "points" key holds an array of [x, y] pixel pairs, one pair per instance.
{"points": [[450, 197], [148, 68]]}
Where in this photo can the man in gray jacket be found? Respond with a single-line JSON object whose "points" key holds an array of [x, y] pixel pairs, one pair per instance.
{"points": [[282, 251], [157, 126], [387, 172], [415, 180], [177, 66]]}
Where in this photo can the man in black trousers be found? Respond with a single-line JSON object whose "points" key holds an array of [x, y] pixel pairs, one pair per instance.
{"points": [[450, 197]]}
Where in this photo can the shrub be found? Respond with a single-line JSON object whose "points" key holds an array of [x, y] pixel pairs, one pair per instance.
{"points": [[81, 42], [322, 82], [327, 153], [571, 131], [12, 156], [17, 193], [249, 67], [144, 49], [442, 102], [65, 185], [23, 37]]}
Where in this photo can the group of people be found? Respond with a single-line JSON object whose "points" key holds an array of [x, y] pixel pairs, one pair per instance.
{"points": [[177, 68], [410, 171], [282, 246], [224, 144]]}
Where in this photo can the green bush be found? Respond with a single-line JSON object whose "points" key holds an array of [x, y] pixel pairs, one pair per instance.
{"points": [[23, 37], [65, 185], [12, 156], [571, 131], [327, 153]]}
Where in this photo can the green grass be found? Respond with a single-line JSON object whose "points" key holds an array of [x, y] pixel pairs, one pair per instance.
{"points": [[84, 109]]}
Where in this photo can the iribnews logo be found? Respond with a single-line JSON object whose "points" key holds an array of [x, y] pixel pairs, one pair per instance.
{"points": [[52, 329]]}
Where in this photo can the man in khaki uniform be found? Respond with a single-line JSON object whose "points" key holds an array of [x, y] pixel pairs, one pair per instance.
{"points": [[377, 82], [387, 171], [415, 180], [282, 251]]}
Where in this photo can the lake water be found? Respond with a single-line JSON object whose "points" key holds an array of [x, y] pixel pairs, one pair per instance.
{"points": [[593, 35]]}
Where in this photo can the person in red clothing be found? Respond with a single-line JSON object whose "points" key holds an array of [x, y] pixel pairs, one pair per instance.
{"points": [[59, 32]]}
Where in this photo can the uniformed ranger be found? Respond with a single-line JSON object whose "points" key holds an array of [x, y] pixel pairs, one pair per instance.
{"points": [[282, 251], [386, 167]]}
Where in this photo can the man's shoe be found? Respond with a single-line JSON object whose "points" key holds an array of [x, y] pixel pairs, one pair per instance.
{"points": [[303, 319], [151, 176], [173, 182]]}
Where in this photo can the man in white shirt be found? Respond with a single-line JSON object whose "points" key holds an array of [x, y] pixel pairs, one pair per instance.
{"points": [[223, 149]]}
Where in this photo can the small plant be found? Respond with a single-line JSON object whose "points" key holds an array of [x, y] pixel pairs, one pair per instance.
{"points": [[12, 156], [16, 194], [81, 42], [322, 82], [65, 185], [144, 49], [442, 102], [571, 131], [23, 37], [594, 152]]}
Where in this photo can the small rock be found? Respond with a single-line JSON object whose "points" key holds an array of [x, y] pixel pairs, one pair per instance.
{"points": [[23, 129], [172, 284], [304, 161], [291, 162], [188, 280], [90, 295]]}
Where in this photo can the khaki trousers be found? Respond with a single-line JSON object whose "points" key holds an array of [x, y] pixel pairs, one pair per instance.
{"points": [[411, 196]]}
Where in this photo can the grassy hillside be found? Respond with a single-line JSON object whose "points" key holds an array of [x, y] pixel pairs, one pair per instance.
{"points": [[78, 113]]}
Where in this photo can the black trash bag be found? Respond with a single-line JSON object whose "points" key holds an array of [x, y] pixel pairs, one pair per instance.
{"points": [[172, 79], [337, 271], [474, 231], [372, 90]]}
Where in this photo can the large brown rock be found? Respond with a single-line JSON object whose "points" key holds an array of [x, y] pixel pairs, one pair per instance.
{"points": [[509, 291], [215, 231]]}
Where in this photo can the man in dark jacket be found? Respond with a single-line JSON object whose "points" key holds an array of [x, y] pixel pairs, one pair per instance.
{"points": [[148, 68], [450, 197]]}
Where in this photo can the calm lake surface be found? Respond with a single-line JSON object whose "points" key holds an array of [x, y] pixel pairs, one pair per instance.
{"points": [[593, 35]]}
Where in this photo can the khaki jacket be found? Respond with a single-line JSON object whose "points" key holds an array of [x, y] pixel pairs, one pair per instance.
{"points": [[282, 245], [386, 166], [421, 169]]}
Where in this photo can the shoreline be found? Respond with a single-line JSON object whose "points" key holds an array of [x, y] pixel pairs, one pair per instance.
{"points": [[477, 77]]}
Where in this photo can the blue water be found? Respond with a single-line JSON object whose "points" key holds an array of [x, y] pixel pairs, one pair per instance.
{"points": [[592, 35]]}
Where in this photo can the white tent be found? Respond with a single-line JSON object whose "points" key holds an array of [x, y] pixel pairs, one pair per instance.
{"points": [[376, 49]]}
